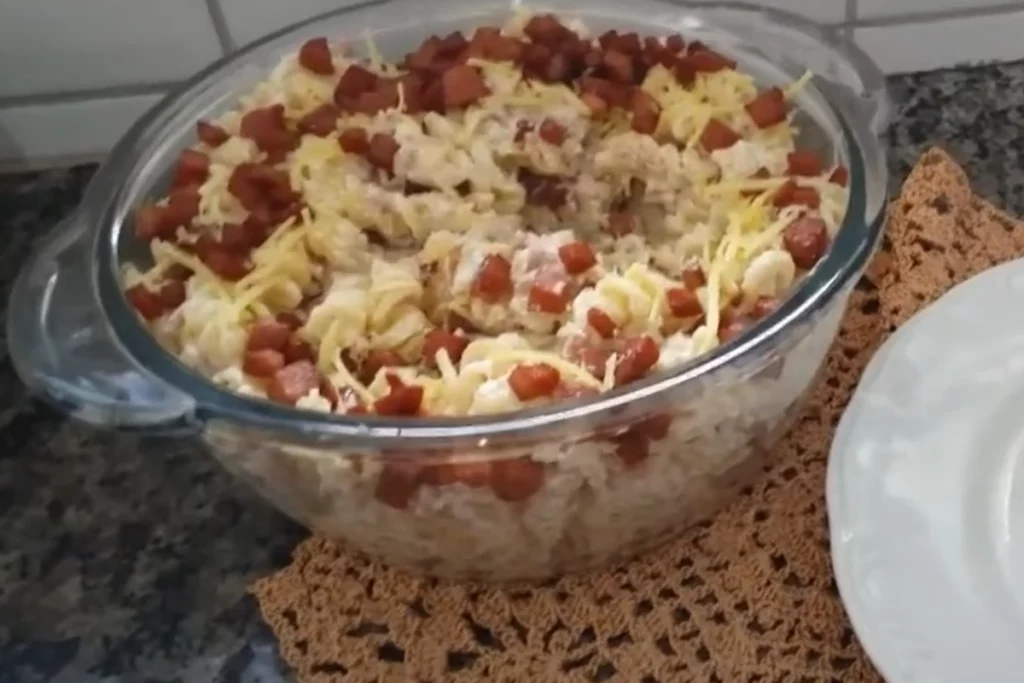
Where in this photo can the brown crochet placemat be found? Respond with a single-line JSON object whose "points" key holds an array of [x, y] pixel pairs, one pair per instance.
{"points": [[747, 597]]}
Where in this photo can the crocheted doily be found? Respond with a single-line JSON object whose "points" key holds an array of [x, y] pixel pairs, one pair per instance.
{"points": [[747, 597]]}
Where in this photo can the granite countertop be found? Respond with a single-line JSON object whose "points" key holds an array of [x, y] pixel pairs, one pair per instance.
{"points": [[127, 559]]}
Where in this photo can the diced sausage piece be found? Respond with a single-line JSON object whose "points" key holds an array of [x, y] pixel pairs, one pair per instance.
{"points": [[593, 58], [375, 360], [484, 36], [804, 162], [601, 322], [683, 302], [150, 223], [572, 391], [321, 122], [675, 43], [552, 132], [598, 107], [549, 294], [172, 294], [147, 303], [453, 344], [262, 363], [493, 281], [631, 448], [768, 108], [514, 481], [182, 207], [806, 240], [685, 72], [263, 126], [621, 223], [763, 307], [840, 176], [228, 265], [354, 141], [382, 151], [315, 56], [791, 194], [706, 60], [193, 169], [210, 134], [381, 98], [473, 473], [178, 272], [693, 277], [262, 190], [453, 321], [645, 112], [354, 82], [425, 56], [577, 257], [245, 236], [558, 69], [298, 349], [402, 400], [655, 427], [619, 67], [637, 357], [592, 358], [656, 53], [784, 195], [397, 484], [529, 382], [292, 382], [504, 49], [463, 85], [453, 44], [628, 43], [535, 58], [718, 135], [615, 94], [268, 334], [546, 29], [730, 329], [607, 39]]}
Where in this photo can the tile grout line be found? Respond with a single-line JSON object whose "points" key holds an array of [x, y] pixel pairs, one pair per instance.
{"points": [[220, 26], [934, 17], [104, 93]]}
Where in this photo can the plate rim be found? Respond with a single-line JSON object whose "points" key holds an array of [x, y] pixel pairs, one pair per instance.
{"points": [[869, 627]]}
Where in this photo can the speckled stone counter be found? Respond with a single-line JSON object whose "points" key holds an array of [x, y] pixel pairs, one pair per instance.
{"points": [[126, 558]]}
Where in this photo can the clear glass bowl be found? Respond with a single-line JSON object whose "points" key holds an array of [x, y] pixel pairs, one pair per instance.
{"points": [[707, 425]]}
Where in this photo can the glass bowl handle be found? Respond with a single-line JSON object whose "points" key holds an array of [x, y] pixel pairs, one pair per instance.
{"points": [[64, 351]]}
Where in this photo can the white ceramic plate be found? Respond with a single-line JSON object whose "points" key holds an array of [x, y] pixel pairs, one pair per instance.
{"points": [[926, 491]]}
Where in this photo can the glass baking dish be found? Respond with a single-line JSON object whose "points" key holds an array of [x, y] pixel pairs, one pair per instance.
{"points": [[75, 341]]}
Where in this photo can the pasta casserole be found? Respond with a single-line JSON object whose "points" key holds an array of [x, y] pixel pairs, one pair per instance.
{"points": [[498, 220]]}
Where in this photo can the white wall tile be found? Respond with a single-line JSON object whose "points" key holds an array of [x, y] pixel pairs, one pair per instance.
{"points": [[824, 11], [251, 19], [871, 9], [904, 48], [65, 45], [87, 128]]}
